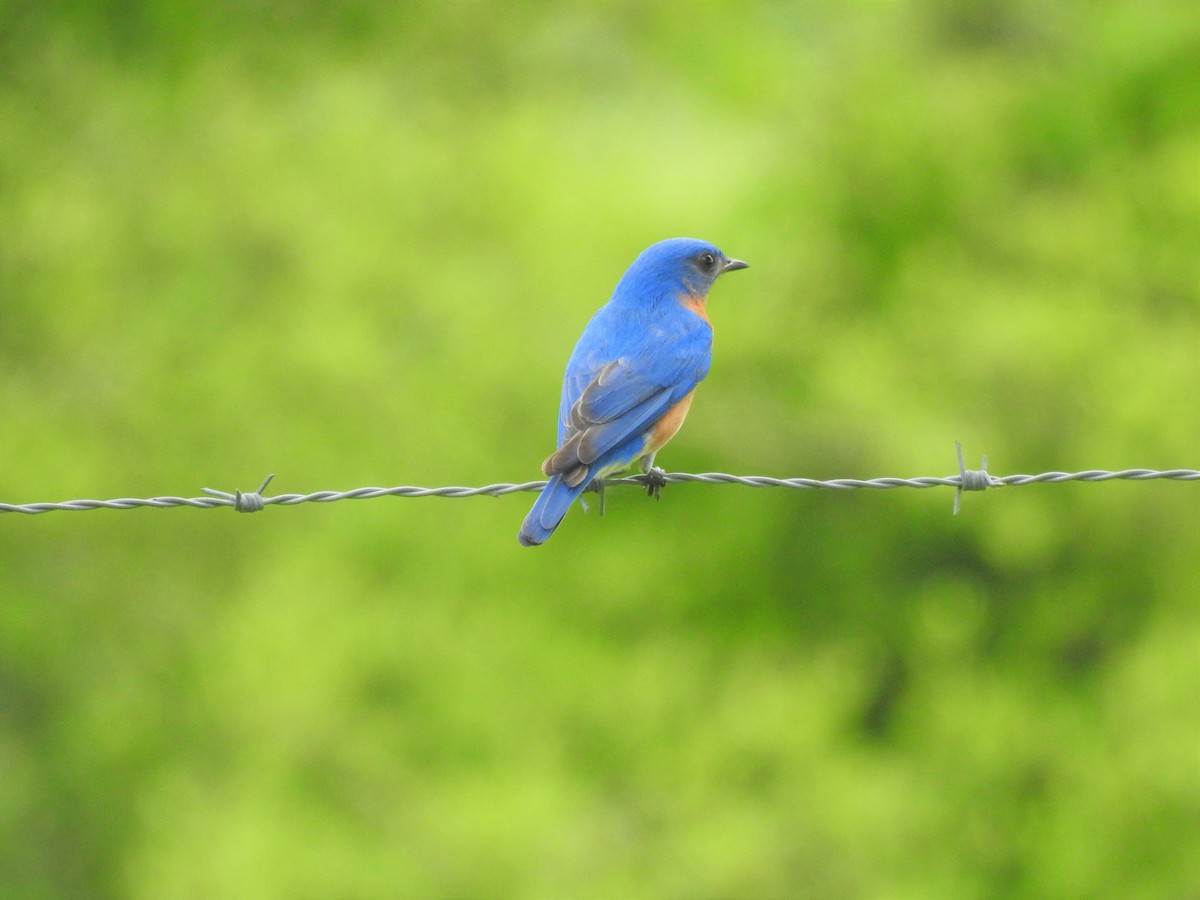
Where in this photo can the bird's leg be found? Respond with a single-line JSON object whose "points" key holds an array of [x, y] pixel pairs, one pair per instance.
{"points": [[656, 478], [597, 486]]}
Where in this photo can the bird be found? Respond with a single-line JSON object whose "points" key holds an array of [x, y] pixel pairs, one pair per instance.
{"points": [[629, 383]]}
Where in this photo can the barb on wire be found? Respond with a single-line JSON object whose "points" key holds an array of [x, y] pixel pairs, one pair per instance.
{"points": [[972, 479], [252, 502], [965, 480]]}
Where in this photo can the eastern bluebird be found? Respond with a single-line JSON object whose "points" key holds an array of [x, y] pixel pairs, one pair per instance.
{"points": [[629, 383]]}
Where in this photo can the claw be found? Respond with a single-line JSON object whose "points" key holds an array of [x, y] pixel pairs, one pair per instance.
{"points": [[656, 480]]}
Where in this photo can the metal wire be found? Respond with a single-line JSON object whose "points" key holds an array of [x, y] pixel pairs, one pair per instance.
{"points": [[966, 480]]}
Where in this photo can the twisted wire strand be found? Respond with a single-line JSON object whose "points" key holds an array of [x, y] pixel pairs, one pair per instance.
{"points": [[968, 480]]}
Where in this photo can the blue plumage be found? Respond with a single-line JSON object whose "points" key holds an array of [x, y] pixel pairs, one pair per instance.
{"points": [[629, 382]]}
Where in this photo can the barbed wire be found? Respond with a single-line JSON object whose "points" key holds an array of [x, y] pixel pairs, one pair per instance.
{"points": [[965, 480]]}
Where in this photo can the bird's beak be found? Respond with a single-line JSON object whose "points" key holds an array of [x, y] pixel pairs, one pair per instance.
{"points": [[732, 265]]}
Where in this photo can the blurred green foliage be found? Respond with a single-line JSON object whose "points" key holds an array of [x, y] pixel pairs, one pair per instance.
{"points": [[354, 243]]}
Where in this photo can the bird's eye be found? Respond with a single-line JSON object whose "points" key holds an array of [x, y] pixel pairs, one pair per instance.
{"points": [[707, 260]]}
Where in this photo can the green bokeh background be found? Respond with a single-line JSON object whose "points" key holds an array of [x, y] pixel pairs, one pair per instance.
{"points": [[353, 244]]}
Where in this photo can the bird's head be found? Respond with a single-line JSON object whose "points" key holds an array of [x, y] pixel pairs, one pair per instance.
{"points": [[676, 265]]}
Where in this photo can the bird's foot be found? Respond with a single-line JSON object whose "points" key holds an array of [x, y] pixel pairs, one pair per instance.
{"points": [[596, 486], [656, 480]]}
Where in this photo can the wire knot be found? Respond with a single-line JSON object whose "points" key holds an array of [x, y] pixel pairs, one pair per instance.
{"points": [[976, 479], [971, 479], [251, 502], [247, 502]]}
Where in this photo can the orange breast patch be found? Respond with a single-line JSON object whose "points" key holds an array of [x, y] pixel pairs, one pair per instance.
{"points": [[668, 426], [696, 305]]}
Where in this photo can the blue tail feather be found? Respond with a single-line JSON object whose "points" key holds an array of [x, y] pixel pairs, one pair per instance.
{"points": [[548, 510]]}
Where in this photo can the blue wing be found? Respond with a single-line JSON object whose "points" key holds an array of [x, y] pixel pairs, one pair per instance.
{"points": [[624, 375], [616, 406]]}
